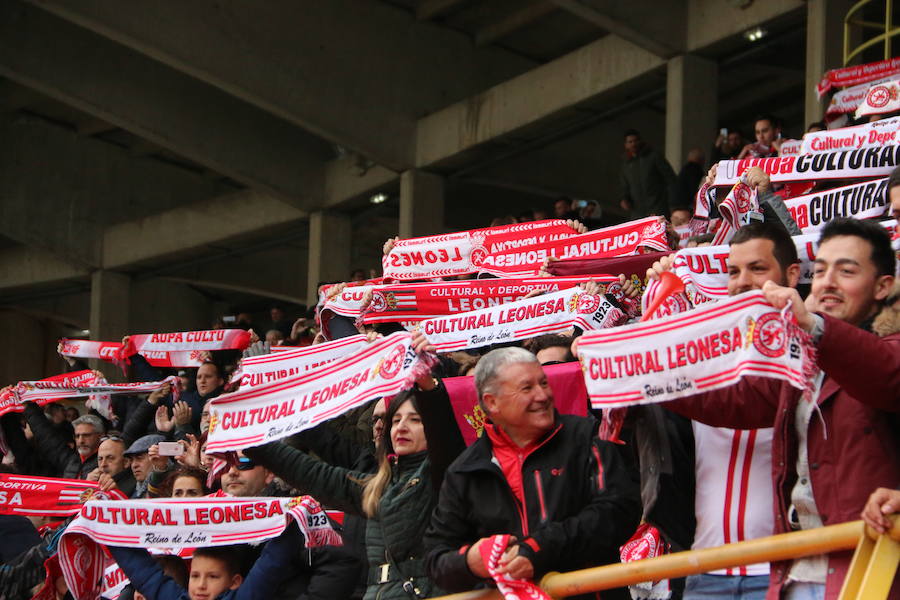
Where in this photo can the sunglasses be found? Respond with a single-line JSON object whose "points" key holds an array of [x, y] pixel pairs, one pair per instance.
{"points": [[245, 464], [114, 438]]}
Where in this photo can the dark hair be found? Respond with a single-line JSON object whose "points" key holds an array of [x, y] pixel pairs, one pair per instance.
{"points": [[185, 471], [218, 368], [232, 557], [374, 485], [893, 180], [784, 249], [703, 238], [871, 231], [775, 122], [819, 124], [629, 132], [553, 340]]}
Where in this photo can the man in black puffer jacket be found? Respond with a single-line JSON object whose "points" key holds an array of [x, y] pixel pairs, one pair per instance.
{"points": [[545, 478]]}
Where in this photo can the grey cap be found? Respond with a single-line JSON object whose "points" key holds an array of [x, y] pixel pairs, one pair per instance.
{"points": [[142, 444]]}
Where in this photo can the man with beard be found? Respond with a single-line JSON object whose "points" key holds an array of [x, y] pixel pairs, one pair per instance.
{"points": [[113, 464], [67, 462]]}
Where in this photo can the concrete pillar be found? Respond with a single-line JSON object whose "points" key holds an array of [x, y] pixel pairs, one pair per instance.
{"points": [[824, 50], [110, 314], [691, 106], [329, 251], [26, 344], [421, 204]]}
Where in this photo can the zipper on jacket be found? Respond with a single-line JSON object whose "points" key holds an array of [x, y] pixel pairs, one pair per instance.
{"points": [[600, 483], [540, 492], [523, 508]]}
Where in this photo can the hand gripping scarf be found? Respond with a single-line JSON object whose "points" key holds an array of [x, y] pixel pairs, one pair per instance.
{"points": [[646, 543], [511, 589], [530, 317], [179, 523], [707, 348], [735, 210], [179, 349]]}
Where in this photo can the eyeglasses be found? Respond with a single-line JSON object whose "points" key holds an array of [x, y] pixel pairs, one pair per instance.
{"points": [[245, 464], [376, 419]]}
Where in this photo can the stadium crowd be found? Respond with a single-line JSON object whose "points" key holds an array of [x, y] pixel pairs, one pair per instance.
{"points": [[489, 465]]}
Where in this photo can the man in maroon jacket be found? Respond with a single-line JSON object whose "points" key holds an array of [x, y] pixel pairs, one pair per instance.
{"points": [[825, 465]]}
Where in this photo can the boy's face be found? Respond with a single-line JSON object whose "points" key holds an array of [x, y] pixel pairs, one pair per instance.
{"points": [[209, 577]]}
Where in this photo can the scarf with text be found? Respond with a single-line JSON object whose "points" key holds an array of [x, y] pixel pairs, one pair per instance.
{"points": [[848, 100], [461, 253], [735, 210], [867, 135], [272, 411], [48, 391], [842, 164], [857, 74], [270, 368], [618, 240], [9, 401], [880, 99], [412, 302], [179, 523], [866, 200], [179, 349], [526, 318], [705, 349], [29, 495], [492, 550]]}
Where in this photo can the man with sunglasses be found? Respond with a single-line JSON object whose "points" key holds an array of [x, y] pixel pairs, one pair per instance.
{"points": [[246, 478]]}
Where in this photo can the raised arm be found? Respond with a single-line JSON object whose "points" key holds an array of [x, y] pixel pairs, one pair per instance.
{"points": [[332, 486], [145, 574]]}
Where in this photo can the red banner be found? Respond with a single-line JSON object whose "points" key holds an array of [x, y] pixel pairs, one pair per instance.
{"points": [[857, 74], [47, 496]]}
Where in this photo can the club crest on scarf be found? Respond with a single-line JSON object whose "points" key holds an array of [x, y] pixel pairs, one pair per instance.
{"points": [[768, 335]]}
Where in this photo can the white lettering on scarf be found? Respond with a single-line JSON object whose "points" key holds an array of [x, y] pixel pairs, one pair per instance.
{"points": [[531, 317]]}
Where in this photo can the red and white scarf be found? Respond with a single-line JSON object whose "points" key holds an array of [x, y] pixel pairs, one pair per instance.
{"points": [[646, 543], [842, 164], [619, 240], [880, 98], [9, 402], [410, 302], [705, 349], [735, 210], [866, 200], [848, 100], [492, 550], [49, 391], [47, 496], [179, 349], [179, 523], [867, 135], [531, 317], [273, 411], [461, 253], [857, 74], [270, 368]]}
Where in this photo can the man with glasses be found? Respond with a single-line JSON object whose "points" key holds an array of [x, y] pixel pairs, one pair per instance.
{"points": [[67, 462]]}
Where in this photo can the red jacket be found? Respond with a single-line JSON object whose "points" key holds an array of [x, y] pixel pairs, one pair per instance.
{"points": [[858, 450]]}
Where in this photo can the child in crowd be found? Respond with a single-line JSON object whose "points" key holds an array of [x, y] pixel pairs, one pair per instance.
{"points": [[216, 572]]}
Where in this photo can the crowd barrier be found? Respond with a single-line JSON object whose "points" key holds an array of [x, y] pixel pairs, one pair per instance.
{"points": [[870, 576]]}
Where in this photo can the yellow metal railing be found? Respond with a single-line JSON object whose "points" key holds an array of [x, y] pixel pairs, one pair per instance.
{"points": [[886, 28], [870, 576]]}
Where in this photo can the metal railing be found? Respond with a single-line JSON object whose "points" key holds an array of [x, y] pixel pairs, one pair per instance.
{"points": [[870, 576], [886, 28]]}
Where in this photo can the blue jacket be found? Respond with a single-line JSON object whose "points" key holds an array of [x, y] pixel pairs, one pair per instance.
{"points": [[270, 570]]}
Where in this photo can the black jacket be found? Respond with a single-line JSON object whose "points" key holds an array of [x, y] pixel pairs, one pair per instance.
{"points": [[54, 449], [581, 504]]}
